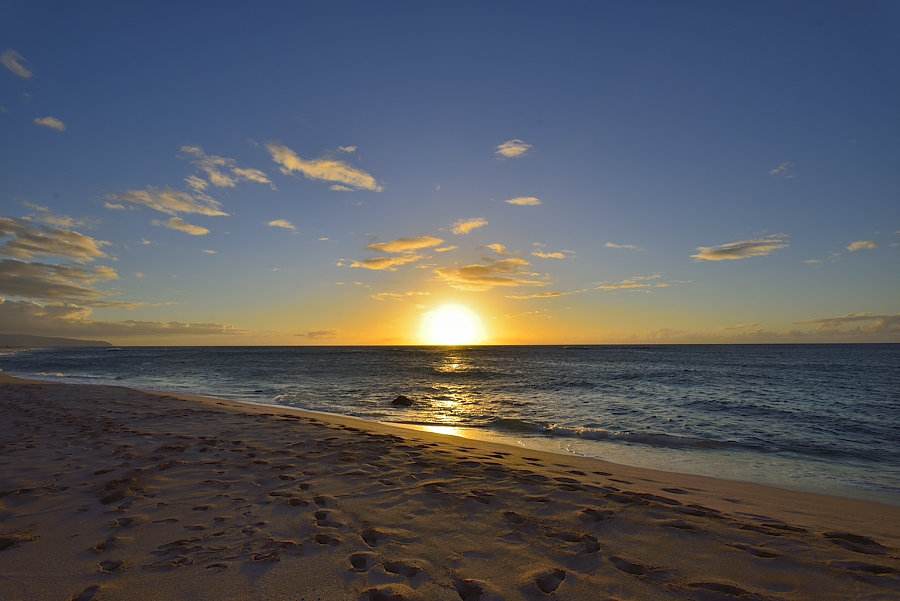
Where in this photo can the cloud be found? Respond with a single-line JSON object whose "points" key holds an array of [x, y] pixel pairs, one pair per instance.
{"points": [[478, 277], [27, 240], [15, 62], [51, 123], [197, 184], [464, 226], [340, 188], [386, 263], [785, 170], [445, 249], [557, 255], [543, 295], [170, 202], [858, 323], [209, 251], [317, 334], [63, 283], [743, 249], [283, 224], [70, 320], [512, 149], [498, 248], [114, 206], [397, 296], [44, 215], [348, 149], [861, 245], [622, 246], [329, 170], [403, 245], [638, 282], [524, 201], [222, 172], [180, 225]]}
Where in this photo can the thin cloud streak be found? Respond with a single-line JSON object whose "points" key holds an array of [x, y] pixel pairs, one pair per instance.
{"points": [[742, 249], [329, 170]]}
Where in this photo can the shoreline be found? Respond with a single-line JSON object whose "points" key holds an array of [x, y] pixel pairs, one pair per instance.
{"points": [[108, 492], [620, 453]]}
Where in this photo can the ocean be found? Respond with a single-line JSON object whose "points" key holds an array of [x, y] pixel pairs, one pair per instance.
{"points": [[822, 418]]}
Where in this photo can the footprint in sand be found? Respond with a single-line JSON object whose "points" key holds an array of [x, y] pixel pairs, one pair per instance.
{"points": [[362, 561], [548, 581], [111, 566], [86, 595], [470, 589], [856, 543]]}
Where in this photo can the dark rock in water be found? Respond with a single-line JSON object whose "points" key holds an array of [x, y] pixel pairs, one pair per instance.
{"points": [[403, 401]]}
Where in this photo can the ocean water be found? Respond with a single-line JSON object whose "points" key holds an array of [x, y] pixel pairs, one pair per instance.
{"points": [[823, 418]]}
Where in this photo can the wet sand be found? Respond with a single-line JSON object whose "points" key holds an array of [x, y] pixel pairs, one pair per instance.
{"points": [[113, 493]]}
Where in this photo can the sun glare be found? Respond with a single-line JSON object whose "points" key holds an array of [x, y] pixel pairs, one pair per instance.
{"points": [[451, 325]]}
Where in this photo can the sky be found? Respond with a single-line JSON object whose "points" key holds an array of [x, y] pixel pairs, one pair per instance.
{"points": [[580, 172]]}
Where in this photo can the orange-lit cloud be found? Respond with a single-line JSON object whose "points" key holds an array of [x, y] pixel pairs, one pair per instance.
{"points": [[478, 277], [329, 170], [171, 202], [524, 201], [402, 245], [15, 62], [386, 263], [465, 226], [743, 249], [180, 225], [51, 123], [512, 149], [861, 245]]}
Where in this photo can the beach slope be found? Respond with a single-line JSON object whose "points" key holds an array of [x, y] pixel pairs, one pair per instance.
{"points": [[111, 493]]}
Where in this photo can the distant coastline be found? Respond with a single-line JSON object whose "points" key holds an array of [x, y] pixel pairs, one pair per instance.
{"points": [[29, 341]]}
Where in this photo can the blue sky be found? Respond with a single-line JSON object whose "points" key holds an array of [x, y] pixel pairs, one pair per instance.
{"points": [[656, 126]]}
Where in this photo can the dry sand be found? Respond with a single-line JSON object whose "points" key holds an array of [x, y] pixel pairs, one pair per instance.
{"points": [[112, 493]]}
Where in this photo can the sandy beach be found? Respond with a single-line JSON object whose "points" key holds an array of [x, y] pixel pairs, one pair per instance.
{"points": [[113, 493]]}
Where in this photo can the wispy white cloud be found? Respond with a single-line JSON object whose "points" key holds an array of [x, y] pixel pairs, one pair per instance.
{"points": [[397, 296], [622, 246], [168, 201], [465, 226], [403, 245], [557, 255], [197, 184], [51, 123], [221, 172], [512, 149], [638, 282], [445, 249], [180, 225], [282, 224], [861, 245], [386, 263], [785, 170], [209, 251], [524, 201], [16, 63], [348, 149], [317, 334], [44, 215], [477, 277], [27, 240], [324, 169], [544, 295], [743, 249], [496, 247]]}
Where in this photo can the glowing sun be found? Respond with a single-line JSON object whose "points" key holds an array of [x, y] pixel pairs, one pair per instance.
{"points": [[451, 325]]}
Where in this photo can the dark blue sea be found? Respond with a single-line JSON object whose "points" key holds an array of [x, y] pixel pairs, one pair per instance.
{"points": [[823, 418]]}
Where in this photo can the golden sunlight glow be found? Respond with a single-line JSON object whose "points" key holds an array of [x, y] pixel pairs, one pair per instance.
{"points": [[451, 325]]}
